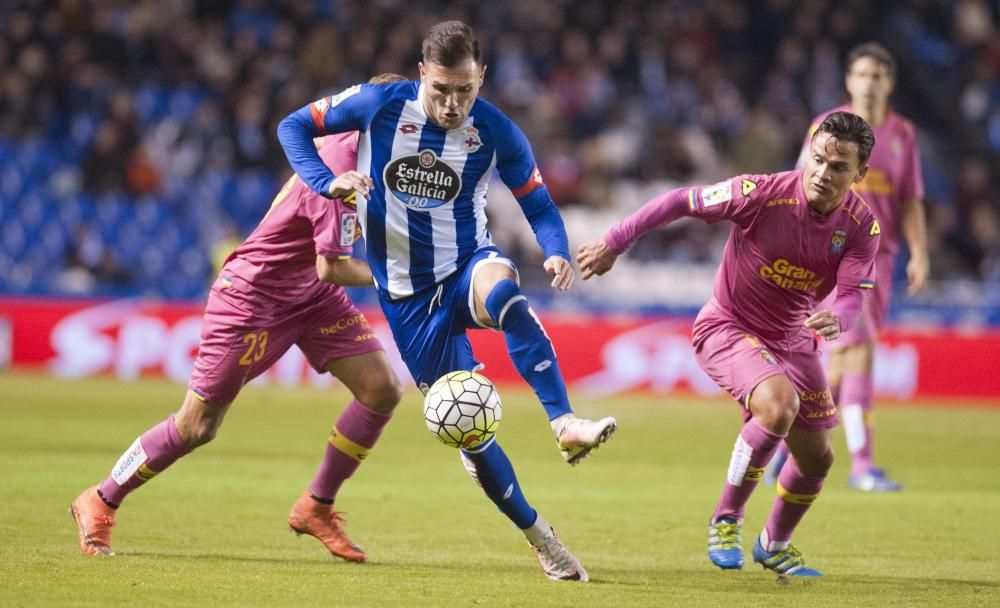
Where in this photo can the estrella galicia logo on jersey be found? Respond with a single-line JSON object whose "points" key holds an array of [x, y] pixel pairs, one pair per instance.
{"points": [[838, 240], [422, 181]]}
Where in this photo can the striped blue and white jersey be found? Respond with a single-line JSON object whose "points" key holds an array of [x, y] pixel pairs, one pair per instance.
{"points": [[426, 216]]}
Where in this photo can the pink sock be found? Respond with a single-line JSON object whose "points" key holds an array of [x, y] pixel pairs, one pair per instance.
{"points": [[148, 456], [856, 413], [796, 493], [754, 448], [354, 435]]}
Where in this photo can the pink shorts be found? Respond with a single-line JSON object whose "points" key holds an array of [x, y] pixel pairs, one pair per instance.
{"points": [[738, 361], [243, 334], [874, 311]]}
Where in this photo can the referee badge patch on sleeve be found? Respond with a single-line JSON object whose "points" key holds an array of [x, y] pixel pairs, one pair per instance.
{"points": [[348, 221], [716, 194]]}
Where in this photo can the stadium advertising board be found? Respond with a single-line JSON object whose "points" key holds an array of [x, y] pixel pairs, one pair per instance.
{"points": [[132, 338]]}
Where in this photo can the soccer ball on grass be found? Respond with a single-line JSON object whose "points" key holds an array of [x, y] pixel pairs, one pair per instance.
{"points": [[462, 409]]}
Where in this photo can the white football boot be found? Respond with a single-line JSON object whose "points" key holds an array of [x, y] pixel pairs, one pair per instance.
{"points": [[555, 558], [577, 437]]}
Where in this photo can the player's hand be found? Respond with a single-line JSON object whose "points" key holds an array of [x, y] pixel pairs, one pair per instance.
{"points": [[561, 270], [918, 269], [595, 257], [824, 323], [348, 182]]}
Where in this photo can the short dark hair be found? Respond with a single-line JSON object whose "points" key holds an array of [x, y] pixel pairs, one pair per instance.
{"points": [[877, 52], [386, 78], [849, 127], [449, 42]]}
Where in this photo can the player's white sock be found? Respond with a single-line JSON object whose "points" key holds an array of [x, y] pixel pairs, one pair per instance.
{"points": [[772, 545], [853, 418], [538, 531]]}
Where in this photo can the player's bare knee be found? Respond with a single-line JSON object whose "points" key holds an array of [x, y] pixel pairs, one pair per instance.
{"points": [[388, 396], [381, 394], [197, 433], [816, 464], [775, 406], [781, 413], [198, 421]]}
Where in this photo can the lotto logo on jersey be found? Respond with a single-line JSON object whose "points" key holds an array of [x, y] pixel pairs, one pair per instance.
{"points": [[422, 181]]}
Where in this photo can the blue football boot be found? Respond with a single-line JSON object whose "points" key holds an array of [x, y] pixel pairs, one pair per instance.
{"points": [[725, 543], [787, 561]]}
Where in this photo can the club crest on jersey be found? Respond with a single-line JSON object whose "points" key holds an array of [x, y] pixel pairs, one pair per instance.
{"points": [[838, 240], [422, 181], [471, 142]]}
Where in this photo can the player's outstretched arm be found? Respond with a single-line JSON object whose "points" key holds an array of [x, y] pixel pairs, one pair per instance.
{"points": [[561, 271], [348, 272], [595, 258]]}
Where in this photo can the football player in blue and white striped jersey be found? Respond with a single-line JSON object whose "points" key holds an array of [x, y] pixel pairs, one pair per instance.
{"points": [[426, 152]]}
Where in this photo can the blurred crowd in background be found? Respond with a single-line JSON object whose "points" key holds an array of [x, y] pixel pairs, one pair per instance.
{"points": [[137, 137]]}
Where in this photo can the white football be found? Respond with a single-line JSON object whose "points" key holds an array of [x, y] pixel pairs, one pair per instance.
{"points": [[462, 409]]}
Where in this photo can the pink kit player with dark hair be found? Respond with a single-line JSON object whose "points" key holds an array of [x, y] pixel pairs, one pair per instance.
{"points": [[795, 237], [282, 286], [894, 187]]}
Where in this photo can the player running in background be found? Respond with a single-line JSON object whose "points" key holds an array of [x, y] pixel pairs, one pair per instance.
{"points": [[795, 236], [894, 187], [429, 149], [282, 286]]}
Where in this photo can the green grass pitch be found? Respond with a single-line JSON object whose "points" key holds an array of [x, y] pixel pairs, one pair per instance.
{"points": [[211, 531]]}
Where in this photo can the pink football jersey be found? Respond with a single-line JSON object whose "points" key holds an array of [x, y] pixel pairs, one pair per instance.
{"points": [[781, 257]]}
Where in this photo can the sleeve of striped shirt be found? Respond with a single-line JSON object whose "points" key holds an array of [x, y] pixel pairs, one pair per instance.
{"points": [[520, 173], [350, 110]]}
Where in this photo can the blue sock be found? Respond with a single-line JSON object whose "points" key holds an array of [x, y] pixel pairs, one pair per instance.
{"points": [[528, 346], [491, 469]]}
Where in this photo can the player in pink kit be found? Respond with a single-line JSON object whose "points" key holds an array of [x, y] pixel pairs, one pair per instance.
{"points": [[894, 187], [282, 286], [795, 237]]}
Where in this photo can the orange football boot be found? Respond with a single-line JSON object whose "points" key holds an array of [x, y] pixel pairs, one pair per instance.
{"points": [[317, 519], [94, 520]]}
